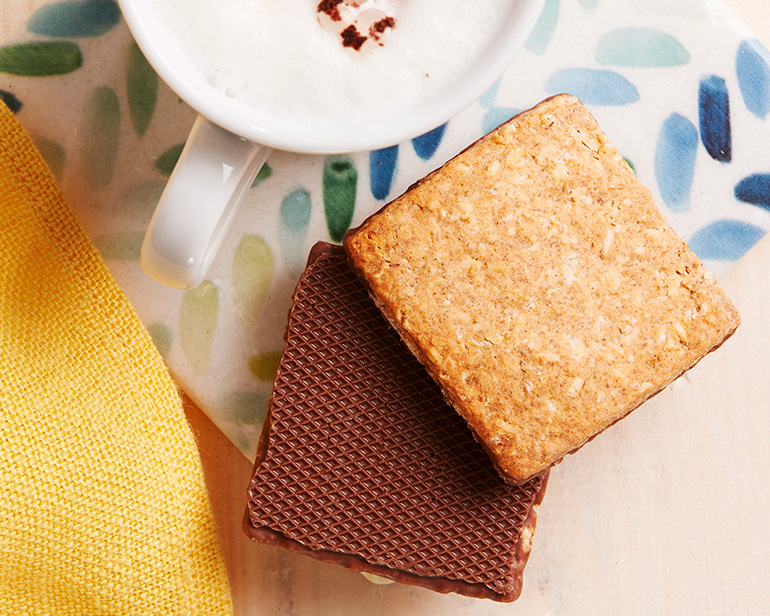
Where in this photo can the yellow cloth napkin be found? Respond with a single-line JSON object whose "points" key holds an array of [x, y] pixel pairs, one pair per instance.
{"points": [[103, 507]]}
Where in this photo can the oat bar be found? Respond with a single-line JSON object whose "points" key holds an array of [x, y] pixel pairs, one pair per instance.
{"points": [[536, 280]]}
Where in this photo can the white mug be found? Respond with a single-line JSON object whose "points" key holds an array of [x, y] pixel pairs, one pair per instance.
{"points": [[230, 141]]}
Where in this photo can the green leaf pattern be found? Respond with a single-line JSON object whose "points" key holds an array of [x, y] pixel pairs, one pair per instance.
{"points": [[340, 179], [137, 202], [142, 87], [120, 246], [198, 317], [264, 365], [54, 154], [265, 172], [166, 162], [40, 58], [101, 123], [253, 267], [162, 337], [244, 411]]}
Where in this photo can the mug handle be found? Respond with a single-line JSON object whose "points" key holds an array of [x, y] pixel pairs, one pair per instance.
{"points": [[198, 205]]}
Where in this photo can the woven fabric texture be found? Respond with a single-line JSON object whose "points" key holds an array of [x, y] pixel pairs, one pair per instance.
{"points": [[103, 506]]}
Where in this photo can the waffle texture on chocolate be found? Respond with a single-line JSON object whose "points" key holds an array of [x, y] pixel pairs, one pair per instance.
{"points": [[362, 462]]}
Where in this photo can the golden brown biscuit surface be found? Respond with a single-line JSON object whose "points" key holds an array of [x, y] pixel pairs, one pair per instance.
{"points": [[539, 284]]}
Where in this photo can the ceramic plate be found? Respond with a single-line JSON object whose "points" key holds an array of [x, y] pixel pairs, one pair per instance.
{"points": [[682, 89]]}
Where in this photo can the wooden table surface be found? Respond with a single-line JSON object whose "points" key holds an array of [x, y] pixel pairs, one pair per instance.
{"points": [[667, 513]]}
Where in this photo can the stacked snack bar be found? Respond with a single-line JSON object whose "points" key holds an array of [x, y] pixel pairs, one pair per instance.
{"points": [[362, 462], [544, 297]]}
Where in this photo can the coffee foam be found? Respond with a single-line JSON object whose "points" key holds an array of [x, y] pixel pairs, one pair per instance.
{"points": [[360, 25], [277, 57]]}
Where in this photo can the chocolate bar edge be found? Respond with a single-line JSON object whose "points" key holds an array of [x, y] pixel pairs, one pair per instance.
{"points": [[269, 536], [521, 553]]}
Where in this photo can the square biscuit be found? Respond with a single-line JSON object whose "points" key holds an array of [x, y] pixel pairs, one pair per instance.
{"points": [[537, 281]]}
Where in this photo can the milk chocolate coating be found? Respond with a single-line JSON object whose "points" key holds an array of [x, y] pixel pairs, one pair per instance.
{"points": [[362, 463]]}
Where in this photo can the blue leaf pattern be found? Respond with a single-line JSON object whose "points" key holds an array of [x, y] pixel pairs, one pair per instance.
{"points": [[714, 109], [675, 161], [544, 28], [75, 18], [751, 67], [641, 47], [382, 169], [426, 145], [295, 217], [726, 240], [496, 116], [593, 87], [754, 189], [488, 98]]}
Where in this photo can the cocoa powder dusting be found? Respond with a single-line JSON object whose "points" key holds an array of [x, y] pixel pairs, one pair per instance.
{"points": [[378, 28], [351, 37], [330, 8]]}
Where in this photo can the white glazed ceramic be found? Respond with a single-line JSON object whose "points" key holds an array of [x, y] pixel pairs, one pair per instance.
{"points": [[638, 66], [230, 142]]}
